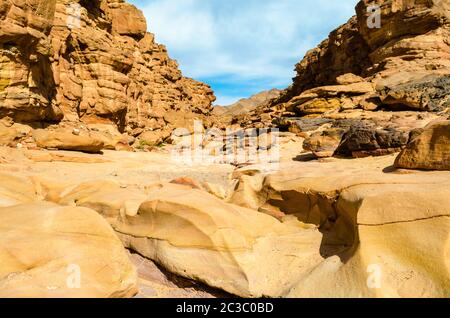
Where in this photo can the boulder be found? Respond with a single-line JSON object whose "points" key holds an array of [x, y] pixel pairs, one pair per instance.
{"points": [[65, 139], [324, 144], [9, 136], [196, 235], [152, 138], [349, 78], [318, 106], [389, 232], [375, 135], [429, 149], [92, 62], [51, 251]]}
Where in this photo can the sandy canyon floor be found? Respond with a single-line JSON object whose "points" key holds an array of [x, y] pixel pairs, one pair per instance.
{"points": [[385, 202]]}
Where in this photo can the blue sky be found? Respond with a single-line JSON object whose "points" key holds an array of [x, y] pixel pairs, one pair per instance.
{"points": [[241, 47]]}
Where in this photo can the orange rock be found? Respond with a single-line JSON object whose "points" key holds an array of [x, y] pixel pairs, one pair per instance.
{"points": [[88, 73]]}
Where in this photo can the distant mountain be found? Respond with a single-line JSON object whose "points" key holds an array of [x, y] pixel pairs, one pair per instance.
{"points": [[246, 105]]}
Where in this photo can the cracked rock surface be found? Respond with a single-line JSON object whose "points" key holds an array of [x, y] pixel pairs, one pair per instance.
{"points": [[305, 229]]}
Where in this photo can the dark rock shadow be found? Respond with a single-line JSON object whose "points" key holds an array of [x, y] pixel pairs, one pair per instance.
{"points": [[339, 232]]}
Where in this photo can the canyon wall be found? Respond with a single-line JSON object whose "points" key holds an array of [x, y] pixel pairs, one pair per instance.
{"points": [[383, 74], [91, 61]]}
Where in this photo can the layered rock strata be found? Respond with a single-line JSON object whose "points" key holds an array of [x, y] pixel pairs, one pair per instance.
{"points": [[91, 62], [400, 66]]}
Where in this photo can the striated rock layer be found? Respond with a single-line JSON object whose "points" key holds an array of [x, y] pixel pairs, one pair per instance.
{"points": [[82, 258], [337, 228], [382, 234], [91, 62], [360, 71]]}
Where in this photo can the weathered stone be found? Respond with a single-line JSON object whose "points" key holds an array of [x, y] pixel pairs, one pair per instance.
{"points": [[152, 138], [99, 67], [26, 84], [314, 224], [318, 106], [421, 17], [324, 144], [16, 190], [303, 125], [428, 150], [364, 140], [429, 93], [349, 78], [51, 251], [65, 140], [127, 20], [10, 136], [225, 242], [408, 63]]}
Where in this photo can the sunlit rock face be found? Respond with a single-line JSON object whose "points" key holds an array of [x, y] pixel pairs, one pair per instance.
{"points": [[412, 36], [91, 62], [376, 226], [388, 61]]}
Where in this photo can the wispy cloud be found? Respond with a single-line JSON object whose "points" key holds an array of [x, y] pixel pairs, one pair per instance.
{"points": [[241, 47]]}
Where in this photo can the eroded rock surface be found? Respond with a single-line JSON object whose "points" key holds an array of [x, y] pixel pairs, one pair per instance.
{"points": [[91, 62], [299, 230], [281, 228], [48, 250], [429, 148], [360, 212], [358, 72]]}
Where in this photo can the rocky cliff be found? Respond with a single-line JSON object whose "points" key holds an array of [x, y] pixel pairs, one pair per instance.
{"points": [[87, 62], [366, 77], [285, 226]]}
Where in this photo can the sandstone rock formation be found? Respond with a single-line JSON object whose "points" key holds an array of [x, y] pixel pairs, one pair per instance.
{"points": [[91, 62], [360, 212], [428, 149], [360, 134], [224, 242], [65, 140], [305, 229], [83, 257], [86, 76], [402, 66], [16, 190]]}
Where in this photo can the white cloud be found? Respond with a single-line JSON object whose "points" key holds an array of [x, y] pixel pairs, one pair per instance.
{"points": [[244, 41]]}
